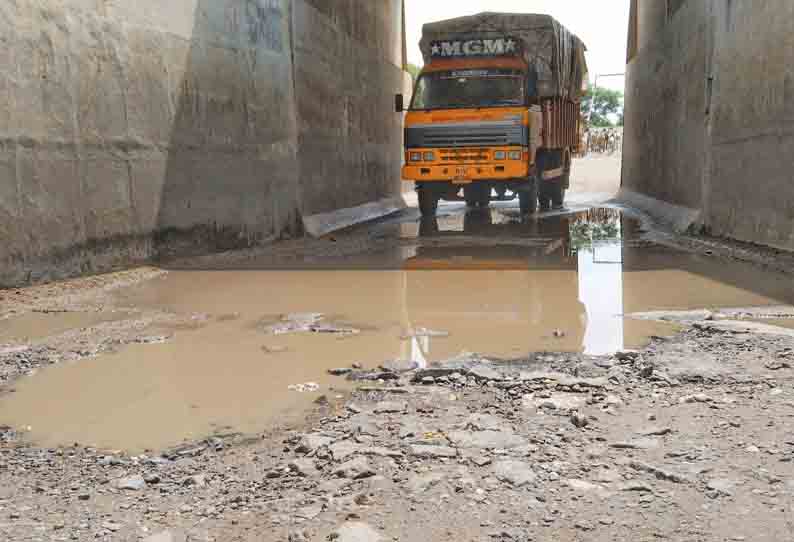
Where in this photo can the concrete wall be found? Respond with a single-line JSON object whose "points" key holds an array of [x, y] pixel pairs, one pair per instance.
{"points": [[348, 59], [709, 111], [130, 129], [752, 122], [665, 126]]}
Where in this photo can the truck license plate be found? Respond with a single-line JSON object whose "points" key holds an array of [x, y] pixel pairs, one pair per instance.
{"points": [[460, 176]]}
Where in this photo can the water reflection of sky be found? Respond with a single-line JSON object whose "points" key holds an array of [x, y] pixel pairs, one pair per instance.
{"points": [[594, 242], [601, 292], [597, 240]]}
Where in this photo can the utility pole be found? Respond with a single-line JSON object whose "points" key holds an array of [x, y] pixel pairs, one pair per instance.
{"points": [[595, 87]]}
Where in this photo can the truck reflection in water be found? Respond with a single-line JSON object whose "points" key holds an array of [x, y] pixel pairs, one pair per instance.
{"points": [[553, 283]]}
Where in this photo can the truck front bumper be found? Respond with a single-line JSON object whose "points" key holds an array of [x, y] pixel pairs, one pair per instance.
{"points": [[466, 173]]}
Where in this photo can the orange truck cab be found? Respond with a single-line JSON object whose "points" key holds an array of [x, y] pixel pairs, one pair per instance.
{"points": [[488, 118]]}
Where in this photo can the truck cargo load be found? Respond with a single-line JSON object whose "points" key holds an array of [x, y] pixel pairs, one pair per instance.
{"points": [[557, 55]]}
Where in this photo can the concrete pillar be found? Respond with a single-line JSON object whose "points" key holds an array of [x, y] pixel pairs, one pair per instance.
{"points": [[651, 20]]}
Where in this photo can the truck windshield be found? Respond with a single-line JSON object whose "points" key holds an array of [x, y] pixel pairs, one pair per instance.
{"points": [[470, 88]]}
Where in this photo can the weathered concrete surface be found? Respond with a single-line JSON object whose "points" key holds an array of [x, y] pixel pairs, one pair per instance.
{"points": [[665, 135], [132, 128], [348, 67], [325, 223], [752, 157], [709, 114], [680, 219]]}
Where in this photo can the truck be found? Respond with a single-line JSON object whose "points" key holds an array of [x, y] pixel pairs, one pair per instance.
{"points": [[495, 111]]}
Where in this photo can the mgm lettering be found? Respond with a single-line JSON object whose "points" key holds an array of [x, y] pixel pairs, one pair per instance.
{"points": [[474, 47]]}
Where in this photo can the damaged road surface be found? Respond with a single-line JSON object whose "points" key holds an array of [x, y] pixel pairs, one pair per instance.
{"points": [[474, 377]]}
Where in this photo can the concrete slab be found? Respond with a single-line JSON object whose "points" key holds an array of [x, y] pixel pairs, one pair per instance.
{"points": [[681, 219], [325, 223], [757, 328]]}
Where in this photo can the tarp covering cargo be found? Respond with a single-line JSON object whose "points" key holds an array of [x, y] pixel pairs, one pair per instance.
{"points": [[557, 55]]}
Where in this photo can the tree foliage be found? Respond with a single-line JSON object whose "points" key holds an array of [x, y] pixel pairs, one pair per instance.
{"points": [[607, 107], [414, 70]]}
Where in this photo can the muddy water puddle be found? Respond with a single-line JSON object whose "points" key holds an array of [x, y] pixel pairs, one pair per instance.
{"points": [[479, 283], [786, 323]]}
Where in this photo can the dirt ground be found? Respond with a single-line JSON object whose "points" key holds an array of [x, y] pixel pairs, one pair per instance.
{"points": [[409, 424], [596, 174]]}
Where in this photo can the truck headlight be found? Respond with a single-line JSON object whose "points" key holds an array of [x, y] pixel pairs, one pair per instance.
{"points": [[415, 157], [499, 155], [430, 157], [515, 155]]}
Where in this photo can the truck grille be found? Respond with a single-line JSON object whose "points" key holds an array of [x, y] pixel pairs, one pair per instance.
{"points": [[468, 155], [466, 134]]}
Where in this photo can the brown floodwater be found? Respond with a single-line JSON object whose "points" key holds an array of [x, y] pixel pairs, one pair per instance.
{"points": [[560, 284]]}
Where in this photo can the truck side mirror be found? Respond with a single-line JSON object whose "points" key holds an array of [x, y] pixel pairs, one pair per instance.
{"points": [[399, 103]]}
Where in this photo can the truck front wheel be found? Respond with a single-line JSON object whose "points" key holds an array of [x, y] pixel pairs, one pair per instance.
{"points": [[428, 200], [484, 196], [477, 195]]}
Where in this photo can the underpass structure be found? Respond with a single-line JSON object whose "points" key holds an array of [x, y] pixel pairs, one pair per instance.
{"points": [[479, 374], [133, 129]]}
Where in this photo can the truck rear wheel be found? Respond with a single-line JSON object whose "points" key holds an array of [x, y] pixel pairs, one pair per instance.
{"points": [[428, 200], [562, 184], [552, 191], [544, 197], [542, 163], [528, 198], [557, 193]]}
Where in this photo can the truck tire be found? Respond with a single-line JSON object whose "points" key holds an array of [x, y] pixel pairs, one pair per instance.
{"points": [[428, 200], [484, 196], [528, 198], [477, 195], [544, 197], [557, 194], [552, 191], [470, 194], [542, 186], [562, 184]]}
